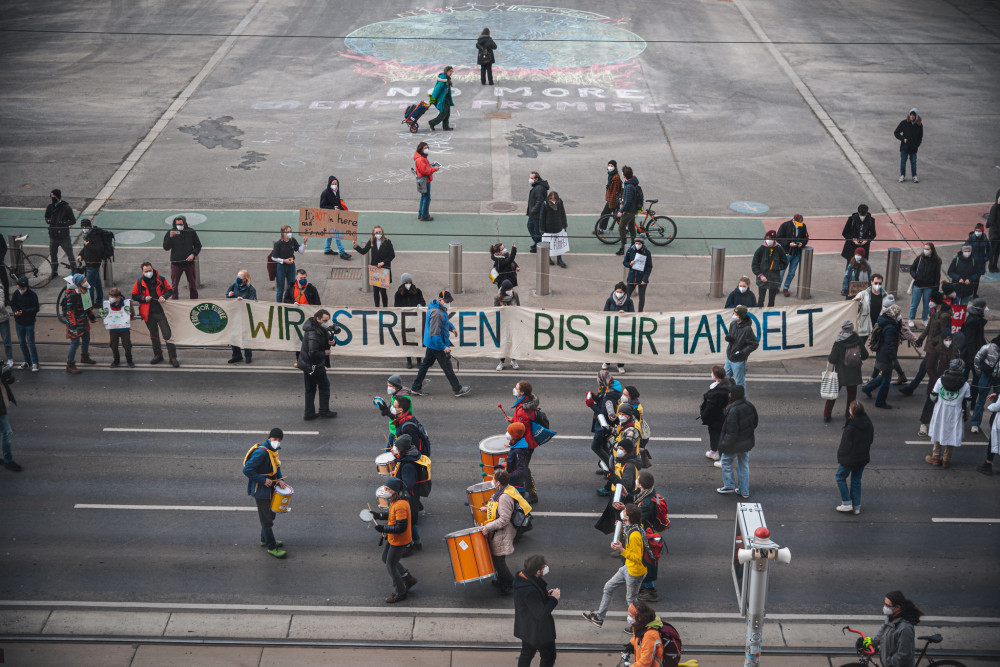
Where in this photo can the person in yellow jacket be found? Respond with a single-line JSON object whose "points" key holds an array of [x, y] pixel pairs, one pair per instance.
{"points": [[647, 646], [632, 572]]}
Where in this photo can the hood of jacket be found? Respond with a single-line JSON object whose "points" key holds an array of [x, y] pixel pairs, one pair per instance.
{"points": [[524, 580], [885, 320], [311, 325], [633, 181], [520, 444], [483, 41], [436, 304], [848, 339], [529, 403], [952, 380], [540, 183], [860, 422], [340, 193]]}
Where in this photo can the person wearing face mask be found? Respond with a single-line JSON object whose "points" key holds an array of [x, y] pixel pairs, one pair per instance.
{"points": [[5, 326], [793, 236], [612, 193], [519, 458], [405, 423], [537, 194], [965, 271], [926, 273], [533, 606], [623, 466], [644, 624], [332, 198], [973, 334], [407, 458], [769, 261], [986, 364], [408, 296], [24, 305], [618, 302], [980, 250], [149, 291], [986, 467], [646, 499], [947, 425], [894, 641], [504, 264], [241, 290], [440, 97], [553, 225], [910, 133], [741, 295], [501, 531], [184, 245], [869, 305], [301, 291], [993, 225], [59, 218], [398, 532], [939, 321], [396, 391], [859, 232], [424, 169], [6, 432], [506, 297], [736, 441], [940, 354], [525, 405], [316, 344], [381, 257], [846, 356], [890, 323], [603, 402], [853, 454], [92, 256], [437, 347], [78, 319], [283, 255], [262, 468], [632, 572], [117, 314], [631, 202], [741, 342], [639, 262], [858, 270], [712, 411], [630, 397]]}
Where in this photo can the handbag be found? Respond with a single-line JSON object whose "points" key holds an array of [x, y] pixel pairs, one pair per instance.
{"points": [[829, 384], [422, 184]]}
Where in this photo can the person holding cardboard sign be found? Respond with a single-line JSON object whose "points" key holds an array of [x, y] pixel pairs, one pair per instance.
{"points": [[381, 257]]}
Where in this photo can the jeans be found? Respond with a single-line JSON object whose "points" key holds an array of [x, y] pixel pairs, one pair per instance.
{"points": [[742, 470], [852, 495], [284, 276], [266, 516], [534, 231], [175, 279], [8, 349], [738, 371], [67, 247], [238, 352], [6, 438], [157, 324], [632, 585], [444, 361], [318, 379], [923, 296], [547, 654], [390, 556], [652, 572], [987, 385], [789, 273], [94, 278], [882, 381], [329, 242], [921, 370], [902, 163], [843, 287], [26, 337], [74, 344], [424, 209], [962, 300]]}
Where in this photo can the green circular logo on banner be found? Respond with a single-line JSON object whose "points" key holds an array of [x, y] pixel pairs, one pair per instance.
{"points": [[209, 318]]}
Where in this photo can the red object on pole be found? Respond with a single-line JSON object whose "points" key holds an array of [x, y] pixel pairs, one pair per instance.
{"points": [[762, 533]]}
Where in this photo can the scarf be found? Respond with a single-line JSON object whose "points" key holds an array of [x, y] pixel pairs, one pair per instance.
{"points": [[619, 302], [611, 175]]}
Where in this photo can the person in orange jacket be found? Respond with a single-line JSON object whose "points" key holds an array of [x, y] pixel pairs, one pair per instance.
{"points": [[646, 643]]}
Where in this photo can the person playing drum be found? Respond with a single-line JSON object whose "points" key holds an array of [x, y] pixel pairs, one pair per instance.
{"points": [[500, 532], [604, 402], [406, 471], [263, 471], [518, 458], [394, 387], [398, 534], [625, 433]]}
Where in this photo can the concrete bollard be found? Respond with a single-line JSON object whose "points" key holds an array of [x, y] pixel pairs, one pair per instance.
{"points": [[455, 267], [892, 271], [805, 273], [542, 271], [718, 271]]}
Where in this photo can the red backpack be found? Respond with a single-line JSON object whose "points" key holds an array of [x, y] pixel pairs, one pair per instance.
{"points": [[672, 647], [662, 522]]}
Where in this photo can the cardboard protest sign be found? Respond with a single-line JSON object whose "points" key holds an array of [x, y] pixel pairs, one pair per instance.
{"points": [[855, 287], [323, 222], [378, 277]]}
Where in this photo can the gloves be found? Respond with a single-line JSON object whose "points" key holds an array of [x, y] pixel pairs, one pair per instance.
{"points": [[379, 528], [589, 400]]}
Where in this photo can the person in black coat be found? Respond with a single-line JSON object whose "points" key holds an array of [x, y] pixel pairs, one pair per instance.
{"points": [[993, 225], [890, 323], [183, 244], [485, 47], [59, 218], [553, 221], [408, 296], [407, 455], [741, 295], [852, 456], [793, 236], [910, 133], [965, 271], [859, 232], [712, 411], [503, 262], [533, 605], [312, 360], [736, 441], [332, 198], [539, 190], [846, 356], [381, 257]]}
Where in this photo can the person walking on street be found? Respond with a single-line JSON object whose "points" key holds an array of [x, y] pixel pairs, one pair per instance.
{"points": [[965, 272], [332, 198], [894, 640], [713, 410], [870, 305], [986, 467], [534, 602], [736, 441], [859, 232], [853, 455], [939, 357], [538, 191], [946, 430], [846, 356], [312, 361], [938, 322], [262, 468], [424, 170], [631, 202], [646, 499], [741, 295], [441, 99], [59, 218], [398, 532], [639, 262], [408, 296], [926, 273], [283, 254], [437, 346], [524, 412], [646, 643], [5, 334], [889, 323], [910, 133], [485, 46], [500, 532], [6, 432], [986, 364], [507, 296], [769, 261], [301, 291], [381, 257], [632, 572], [793, 236], [184, 245], [92, 256], [504, 264], [603, 402], [78, 319], [980, 250], [993, 225], [612, 192], [241, 290], [553, 222], [24, 305], [406, 470], [741, 341]]}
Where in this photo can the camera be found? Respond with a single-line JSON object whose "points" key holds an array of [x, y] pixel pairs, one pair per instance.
{"points": [[332, 332]]}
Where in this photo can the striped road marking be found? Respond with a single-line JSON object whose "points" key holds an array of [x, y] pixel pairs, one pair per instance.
{"points": [[949, 519], [196, 508], [593, 515], [112, 429]]}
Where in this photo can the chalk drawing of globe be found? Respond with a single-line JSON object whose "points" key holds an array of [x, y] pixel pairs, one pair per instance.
{"points": [[535, 39]]}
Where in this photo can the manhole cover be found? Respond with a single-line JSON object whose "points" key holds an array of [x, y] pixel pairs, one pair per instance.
{"points": [[501, 206], [345, 274], [497, 114]]}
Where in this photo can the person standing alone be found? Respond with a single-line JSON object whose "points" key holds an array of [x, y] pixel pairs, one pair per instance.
{"points": [[910, 133], [59, 217], [533, 605], [184, 245], [537, 194], [485, 46], [262, 468], [424, 170]]}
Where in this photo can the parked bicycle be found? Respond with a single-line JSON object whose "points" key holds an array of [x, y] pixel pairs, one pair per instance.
{"points": [[867, 655], [37, 268], [61, 306], [659, 229]]}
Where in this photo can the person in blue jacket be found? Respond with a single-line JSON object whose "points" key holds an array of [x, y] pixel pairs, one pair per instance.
{"points": [[262, 469], [241, 290], [437, 328], [980, 251], [742, 295], [441, 98], [640, 265]]}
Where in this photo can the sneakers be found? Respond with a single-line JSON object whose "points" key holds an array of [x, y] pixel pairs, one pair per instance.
{"points": [[277, 553], [923, 430], [328, 414], [13, 467], [114, 364], [923, 323], [916, 180], [395, 597], [744, 496], [158, 359], [902, 178], [513, 365], [417, 392], [329, 252], [175, 363], [845, 508], [235, 360], [620, 252], [461, 392], [500, 366], [648, 595], [603, 493], [725, 490], [910, 323], [974, 429], [128, 362], [34, 368], [604, 366], [621, 369], [23, 365], [277, 543], [856, 510], [712, 455], [345, 256], [718, 464], [410, 581], [593, 618]]}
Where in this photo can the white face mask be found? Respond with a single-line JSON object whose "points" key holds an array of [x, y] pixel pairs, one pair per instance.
{"points": [[515, 392], [610, 169], [326, 324], [857, 259], [966, 253], [623, 515], [769, 242], [85, 285], [927, 253], [508, 437], [395, 451], [378, 235], [22, 290], [531, 181], [631, 619], [638, 246], [876, 287], [148, 274], [545, 571], [390, 390], [742, 289], [392, 411], [509, 292], [886, 610], [408, 285], [179, 228], [274, 445], [622, 419], [620, 295], [288, 235], [978, 234], [947, 343], [426, 151], [333, 187]]}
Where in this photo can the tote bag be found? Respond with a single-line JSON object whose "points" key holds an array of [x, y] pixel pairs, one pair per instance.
{"points": [[829, 384]]}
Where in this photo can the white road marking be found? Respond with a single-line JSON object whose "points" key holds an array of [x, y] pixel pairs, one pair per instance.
{"points": [[948, 519], [654, 439], [965, 443], [593, 515], [115, 429], [197, 508]]}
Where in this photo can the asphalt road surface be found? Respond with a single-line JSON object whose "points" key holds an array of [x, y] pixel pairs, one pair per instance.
{"points": [[841, 563]]}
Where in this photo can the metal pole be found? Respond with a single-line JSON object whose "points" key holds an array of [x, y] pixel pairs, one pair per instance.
{"points": [[197, 272], [542, 271], [756, 594], [892, 271], [805, 273], [365, 285], [455, 267], [16, 255], [718, 271]]}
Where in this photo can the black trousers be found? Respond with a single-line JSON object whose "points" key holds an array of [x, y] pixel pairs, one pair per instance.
{"points": [[547, 651], [994, 255], [442, 118], [771, 293], [380, 294], [157, 324], [599, 445], [318, 379], [444, 361], [266, 516], [642, 295], [67, 247], [504, 575], [486, 72]]}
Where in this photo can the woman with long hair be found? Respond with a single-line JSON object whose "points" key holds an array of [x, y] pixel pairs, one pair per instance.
{"points": [[424, 169], [381, 257]]}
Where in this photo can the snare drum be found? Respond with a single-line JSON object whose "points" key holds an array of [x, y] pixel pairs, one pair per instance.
{"points": [[384, 463], [493, 452], [281, 499], [470, 555], [479, 495]]}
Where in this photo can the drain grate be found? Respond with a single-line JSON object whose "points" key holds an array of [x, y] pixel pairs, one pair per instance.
{"points": [[501, 206], [345, 274]]}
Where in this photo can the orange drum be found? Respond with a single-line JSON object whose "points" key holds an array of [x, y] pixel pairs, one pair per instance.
{"points": [[470, 555], [479, 495], [493, 452], [384, 463]]}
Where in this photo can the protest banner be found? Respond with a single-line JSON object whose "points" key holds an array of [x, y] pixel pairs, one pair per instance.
{"points": [[378, 277], [323, 222]]}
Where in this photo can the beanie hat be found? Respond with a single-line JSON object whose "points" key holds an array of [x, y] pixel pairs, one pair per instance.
{"points": [[847, 325], [79, 278], [506, 285], [403, 443], [956, 365], [893, 312], [797, 218], [979, 226], [977, 305], [937, 298], [395, 381], [741, 311], [860, 252], [276, 433], [946, 333], [405, 278], [57, 193], [86, 223], [966, 246], [23, 281], [633, 393], [770, 234], [395, 484], [888, 301], [516, 431], [613, 162], [863, 209]]}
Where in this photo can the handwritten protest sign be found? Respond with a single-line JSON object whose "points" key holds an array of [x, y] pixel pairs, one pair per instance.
{"points": [[856, 286], [323, 222], [378, 277]]}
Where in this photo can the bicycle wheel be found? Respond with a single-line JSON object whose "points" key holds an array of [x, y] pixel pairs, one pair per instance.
{"points": [[38, 268], [661, 230], [61, 306], [606, 229], [856, 663], [946, 663]]}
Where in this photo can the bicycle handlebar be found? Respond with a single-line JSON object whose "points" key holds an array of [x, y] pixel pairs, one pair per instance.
{"points": [[867, 643]]}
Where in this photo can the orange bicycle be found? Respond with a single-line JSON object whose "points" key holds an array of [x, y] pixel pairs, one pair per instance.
{"points": [[659, 229]]}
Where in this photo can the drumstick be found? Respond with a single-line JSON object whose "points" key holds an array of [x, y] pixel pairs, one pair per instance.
{"points": [[502, 410]]}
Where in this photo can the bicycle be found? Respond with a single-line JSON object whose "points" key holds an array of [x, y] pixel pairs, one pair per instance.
{"points": [[866, 652], [61, 306], [659, 229], [37, 268]]}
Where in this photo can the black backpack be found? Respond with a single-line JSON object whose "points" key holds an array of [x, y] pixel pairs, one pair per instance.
{"points": [[107, 240], [541, 419], [875, 338], [852, 357], [424, 446]]}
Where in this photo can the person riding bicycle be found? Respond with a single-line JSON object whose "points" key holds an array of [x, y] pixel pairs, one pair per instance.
{"points": [[894, 640]]}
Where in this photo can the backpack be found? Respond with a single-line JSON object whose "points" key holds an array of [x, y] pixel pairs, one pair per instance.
{"points": [[107, 238], [649, 556], [852, 357], [424, 443], [661, 521], [642, 197], [541, 418], [423, 486], [875, 338], [672, 647]]}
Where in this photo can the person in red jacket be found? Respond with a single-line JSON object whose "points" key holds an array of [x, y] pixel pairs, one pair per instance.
{"points": [[524, 412], [149, 291], [424, 168]]}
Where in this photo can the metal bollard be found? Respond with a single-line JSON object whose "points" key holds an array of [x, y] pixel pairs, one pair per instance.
{"points": [[718, 271], [197, 272], [365, 285], [805, 273], [455, 267], [542, 271], [16, 254], [892, 271]]}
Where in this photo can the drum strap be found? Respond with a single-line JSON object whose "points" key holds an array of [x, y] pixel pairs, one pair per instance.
{"points": [[275, 462]]}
